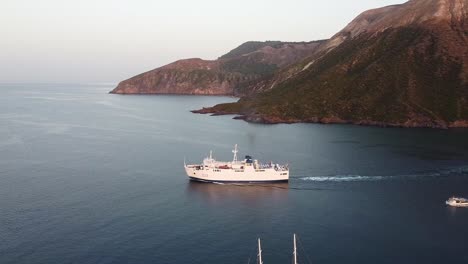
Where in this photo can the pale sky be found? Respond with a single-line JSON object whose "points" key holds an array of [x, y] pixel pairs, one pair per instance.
{"points": [[87, 41]]}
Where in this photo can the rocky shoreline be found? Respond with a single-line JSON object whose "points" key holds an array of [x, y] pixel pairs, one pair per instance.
{"points": [[410, 123]]}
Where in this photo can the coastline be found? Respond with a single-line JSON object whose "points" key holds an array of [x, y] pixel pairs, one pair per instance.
{"points": [[158, 93], [272, 120]]}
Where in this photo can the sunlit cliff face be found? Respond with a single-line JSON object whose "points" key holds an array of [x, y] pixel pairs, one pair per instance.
{"points": [[414, 12]]}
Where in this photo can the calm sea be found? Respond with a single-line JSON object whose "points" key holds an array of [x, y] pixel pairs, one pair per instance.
{"points": [[89, 177]]}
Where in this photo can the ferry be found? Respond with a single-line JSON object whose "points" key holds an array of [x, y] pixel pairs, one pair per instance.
{"points": [[248, 170], [457, 202]]}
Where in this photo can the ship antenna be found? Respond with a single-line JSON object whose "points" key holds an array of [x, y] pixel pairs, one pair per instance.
{"points": [[295, 250], [234, 159], [260, 261], [211, 154]]}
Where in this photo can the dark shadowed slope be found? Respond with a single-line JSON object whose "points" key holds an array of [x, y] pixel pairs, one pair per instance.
{"points": [[402, 65]]}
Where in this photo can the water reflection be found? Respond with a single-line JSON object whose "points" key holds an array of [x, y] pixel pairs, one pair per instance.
{"points": [[253, 194]]}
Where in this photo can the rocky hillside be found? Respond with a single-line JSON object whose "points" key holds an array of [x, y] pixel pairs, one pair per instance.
{"points": [[401, 65], [231, 74]]}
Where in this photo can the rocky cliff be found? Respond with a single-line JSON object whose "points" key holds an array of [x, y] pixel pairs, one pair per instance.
{"points": [[231, 74], [401, 65]]}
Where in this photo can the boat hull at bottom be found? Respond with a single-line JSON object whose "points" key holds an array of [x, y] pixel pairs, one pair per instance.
{"points": [[457, 205], [246, 181], [247, 175]]}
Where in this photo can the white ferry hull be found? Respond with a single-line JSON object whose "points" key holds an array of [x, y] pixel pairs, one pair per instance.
{"points": [[247, 171], [457, 204], [233, 176]]}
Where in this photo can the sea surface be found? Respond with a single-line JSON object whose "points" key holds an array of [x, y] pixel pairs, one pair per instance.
{"points": [[90, 177]]}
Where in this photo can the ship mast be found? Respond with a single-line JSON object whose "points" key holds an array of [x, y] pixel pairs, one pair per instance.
{"points": [[234, 159], [260, 261], [295, 250]]}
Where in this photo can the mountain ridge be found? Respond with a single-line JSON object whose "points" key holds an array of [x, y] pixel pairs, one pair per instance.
{"points": [[403, 65], [231, 74]]}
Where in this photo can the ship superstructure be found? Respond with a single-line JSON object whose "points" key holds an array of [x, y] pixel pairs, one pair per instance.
{"points": [[248, 170]]}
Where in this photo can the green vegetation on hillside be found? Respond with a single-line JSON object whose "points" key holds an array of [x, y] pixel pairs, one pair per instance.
{"points": [[251, 46], [249, 67], [397, 75]]}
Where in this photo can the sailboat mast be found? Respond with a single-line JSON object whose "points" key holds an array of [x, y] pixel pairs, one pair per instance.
{"points": [[260, 261], [234, 159], [295, 250]]}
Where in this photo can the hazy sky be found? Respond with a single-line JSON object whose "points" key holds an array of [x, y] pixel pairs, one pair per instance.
{"points": [[111, 40]]}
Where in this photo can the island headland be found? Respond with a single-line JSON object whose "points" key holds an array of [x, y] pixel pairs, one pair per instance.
{"points": [[402, 65]]}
